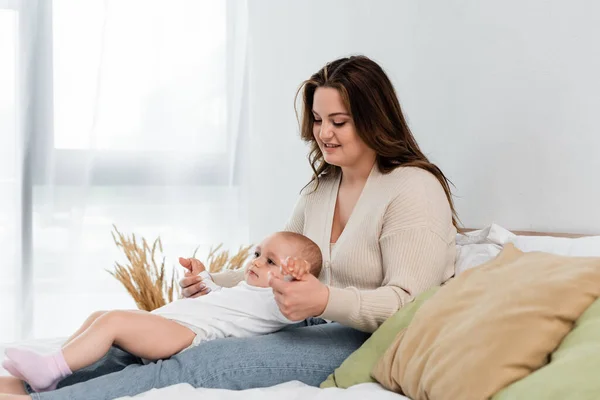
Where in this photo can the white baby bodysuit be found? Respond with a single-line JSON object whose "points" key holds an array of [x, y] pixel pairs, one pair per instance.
{"points": [[240, 311]]}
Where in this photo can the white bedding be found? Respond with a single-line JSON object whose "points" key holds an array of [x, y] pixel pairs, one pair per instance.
{"points": [[289, 390]]}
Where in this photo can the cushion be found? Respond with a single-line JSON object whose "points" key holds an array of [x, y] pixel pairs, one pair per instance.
{"points": [[573, 369], [485, 329], [357, 367]]}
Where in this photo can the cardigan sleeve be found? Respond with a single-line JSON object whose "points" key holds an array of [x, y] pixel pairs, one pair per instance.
{"points": [[413, 260]]}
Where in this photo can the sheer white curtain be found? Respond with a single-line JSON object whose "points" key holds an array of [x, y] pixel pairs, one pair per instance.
{"points": [[10, 185], [132, 113]]}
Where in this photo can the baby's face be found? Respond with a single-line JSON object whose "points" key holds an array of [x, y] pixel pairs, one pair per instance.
{"points": [[267, 257]]}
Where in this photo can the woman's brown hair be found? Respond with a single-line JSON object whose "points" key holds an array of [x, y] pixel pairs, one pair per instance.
{"points": [[370, 98]]}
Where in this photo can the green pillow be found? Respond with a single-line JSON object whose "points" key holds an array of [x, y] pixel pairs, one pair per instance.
{"points": [[357, 367], [573, 371]]}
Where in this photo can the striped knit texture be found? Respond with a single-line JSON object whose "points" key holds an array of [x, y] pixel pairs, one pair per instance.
{"points": [[398, 242]]}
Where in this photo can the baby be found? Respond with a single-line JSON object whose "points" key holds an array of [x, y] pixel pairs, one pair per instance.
{"points": [[248, 309]]}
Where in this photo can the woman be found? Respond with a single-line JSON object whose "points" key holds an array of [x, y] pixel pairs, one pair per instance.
{"points": [[383, 217]]}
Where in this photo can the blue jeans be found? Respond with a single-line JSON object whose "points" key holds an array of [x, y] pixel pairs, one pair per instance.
{"points": [[307, 352]]}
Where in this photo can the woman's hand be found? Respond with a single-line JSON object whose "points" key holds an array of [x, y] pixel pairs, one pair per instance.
{"points": [[191, 284], [300, 299]]}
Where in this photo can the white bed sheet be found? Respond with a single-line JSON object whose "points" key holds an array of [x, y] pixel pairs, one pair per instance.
{"points": [[288, 391]]}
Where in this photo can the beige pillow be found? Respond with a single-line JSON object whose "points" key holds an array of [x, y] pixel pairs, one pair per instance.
{"points": [[490, 326]]}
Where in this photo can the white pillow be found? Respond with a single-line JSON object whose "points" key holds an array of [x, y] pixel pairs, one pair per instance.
{"points": [[575, 247], [477, 247]]}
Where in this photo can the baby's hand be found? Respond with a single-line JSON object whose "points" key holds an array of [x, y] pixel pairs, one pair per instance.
{"points": [[296, 267], [193, 265]]}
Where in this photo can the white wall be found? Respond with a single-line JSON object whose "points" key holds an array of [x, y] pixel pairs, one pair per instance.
{"points": [[502, 95]]}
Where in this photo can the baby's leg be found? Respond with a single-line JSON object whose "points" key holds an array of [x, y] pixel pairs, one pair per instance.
{"points": [[141, 333], [10, 366], [88, 322]]}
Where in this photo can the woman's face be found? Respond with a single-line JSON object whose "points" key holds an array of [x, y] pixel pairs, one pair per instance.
{"points": [[335, 132]]}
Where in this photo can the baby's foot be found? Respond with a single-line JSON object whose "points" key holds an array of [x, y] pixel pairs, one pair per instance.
{"points": [[10, 367], [42, 372]]}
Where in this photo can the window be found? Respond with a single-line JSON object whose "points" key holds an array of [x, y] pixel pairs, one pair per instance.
{"points": [[129, 110], [137, 83], [145, 75]]}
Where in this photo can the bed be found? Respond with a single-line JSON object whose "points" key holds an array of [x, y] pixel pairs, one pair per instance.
{"points": [[473, 248]]}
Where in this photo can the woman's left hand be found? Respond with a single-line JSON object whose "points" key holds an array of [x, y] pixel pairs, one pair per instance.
{"points": [[300, 299]]}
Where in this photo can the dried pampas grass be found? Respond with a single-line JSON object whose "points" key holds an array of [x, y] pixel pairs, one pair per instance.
{"points": [[145, 278]]}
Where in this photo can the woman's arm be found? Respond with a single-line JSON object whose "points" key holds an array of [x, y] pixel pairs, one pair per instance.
{"points": [[413, 260]]}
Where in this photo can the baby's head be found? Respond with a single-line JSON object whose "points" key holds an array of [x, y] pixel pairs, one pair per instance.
{"points": [[271, 252]]}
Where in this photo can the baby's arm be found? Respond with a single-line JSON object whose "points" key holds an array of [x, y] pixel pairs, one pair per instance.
{"points": [[195, 267], [208, 282]]}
